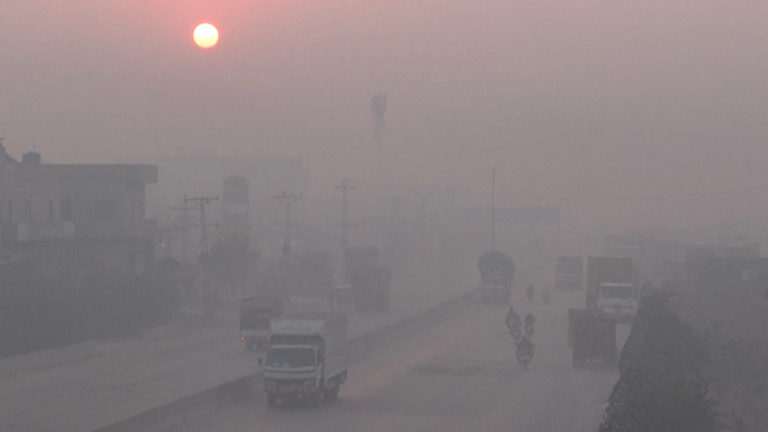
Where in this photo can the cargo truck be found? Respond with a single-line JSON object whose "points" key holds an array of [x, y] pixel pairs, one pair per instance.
{"points": [[256, 313], [369, 280], [610, 287], [306, 359], [569, 273], [592, 336], [497, 271]]}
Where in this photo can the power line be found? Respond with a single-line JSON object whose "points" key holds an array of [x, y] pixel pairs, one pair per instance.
{"points": [[200, 203]]}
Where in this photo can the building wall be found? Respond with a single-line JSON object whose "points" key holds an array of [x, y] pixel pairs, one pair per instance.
{"points": [[48, 212]]}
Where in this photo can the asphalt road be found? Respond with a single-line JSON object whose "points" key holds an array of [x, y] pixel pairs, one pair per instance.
{"points": [[92, 384], [458, 375]]}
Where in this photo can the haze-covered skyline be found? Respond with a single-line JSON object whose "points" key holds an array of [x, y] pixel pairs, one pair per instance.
{"points": [[592, 100]]}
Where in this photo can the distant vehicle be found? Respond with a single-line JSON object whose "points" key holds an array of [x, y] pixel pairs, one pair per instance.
{"points": [[530, 321], [497, 271], [609, 286], [369, 279], [592, 336], [255, 316], [306, 358], [371, 288], [514, 325], [617, 300], [524, 351], [569, 273]]}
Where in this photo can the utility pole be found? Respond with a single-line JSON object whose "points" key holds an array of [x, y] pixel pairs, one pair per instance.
{"points": [[288, 200], [200, 203], [184, 208], [493, 208], [378, 108], [345, 186]]}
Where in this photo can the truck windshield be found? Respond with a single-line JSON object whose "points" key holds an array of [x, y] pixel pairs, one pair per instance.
{"points": [[291, 357], [616, 291]]}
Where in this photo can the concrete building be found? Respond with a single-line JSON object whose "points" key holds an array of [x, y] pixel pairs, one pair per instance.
{"points": [[53, 210]]}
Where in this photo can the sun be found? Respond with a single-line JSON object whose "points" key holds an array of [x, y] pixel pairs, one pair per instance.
{"points": [[205, 35]]}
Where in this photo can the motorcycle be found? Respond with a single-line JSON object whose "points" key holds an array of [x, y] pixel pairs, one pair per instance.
{"points": [[516, 333], [524, 353], [529, 330]]}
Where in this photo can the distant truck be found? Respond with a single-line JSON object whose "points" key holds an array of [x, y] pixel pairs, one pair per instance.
{"points": [[255, 315], [609, 286], [592, 336], [306, 359], [569, 273], [369, 280], [497, 270]]}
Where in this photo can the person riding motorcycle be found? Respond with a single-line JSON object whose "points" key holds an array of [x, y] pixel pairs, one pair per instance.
{"points": [[530, 320], [513, 322], [524, 351], [545, 294], [531, 291]]}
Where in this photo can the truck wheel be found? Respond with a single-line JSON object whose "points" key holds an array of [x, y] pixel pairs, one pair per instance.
{"points": [[332, 393], [272, 400]]}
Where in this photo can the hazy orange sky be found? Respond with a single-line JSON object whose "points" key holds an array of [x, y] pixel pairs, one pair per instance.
{"points": [[569, 99]]}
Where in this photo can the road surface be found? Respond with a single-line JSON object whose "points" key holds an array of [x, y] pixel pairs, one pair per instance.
{"points": [[92, 384], [459, 375]]}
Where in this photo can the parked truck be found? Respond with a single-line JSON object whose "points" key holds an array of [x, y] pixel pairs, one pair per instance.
{"points": [[610, 287], [306, 359], [592, 336], [569, 273], [497, 270], [256, 313], [369, 280]]}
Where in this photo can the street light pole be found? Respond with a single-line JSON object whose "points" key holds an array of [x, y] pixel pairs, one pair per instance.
{"points": [[493, 209]]}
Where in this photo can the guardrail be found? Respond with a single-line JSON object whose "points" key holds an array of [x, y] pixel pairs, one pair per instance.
{"points": [[174, 415]]}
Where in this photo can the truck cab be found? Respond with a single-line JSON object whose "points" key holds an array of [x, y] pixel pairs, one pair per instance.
{"points": [[617, 300], [306, 358]]}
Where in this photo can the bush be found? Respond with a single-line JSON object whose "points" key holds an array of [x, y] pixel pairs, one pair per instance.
{"points": [[661, 387]]}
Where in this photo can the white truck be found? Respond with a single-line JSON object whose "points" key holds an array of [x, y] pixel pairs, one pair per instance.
{"points": [[617, 300], [306, 359]]}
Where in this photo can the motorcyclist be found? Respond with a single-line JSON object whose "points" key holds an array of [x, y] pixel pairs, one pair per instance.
{"points": [[545, 294], [531, 291], [530, 320], [513, 321], [524, 347]]}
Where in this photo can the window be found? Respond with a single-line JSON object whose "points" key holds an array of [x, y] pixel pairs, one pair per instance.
{"points": [[105, 208]]}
